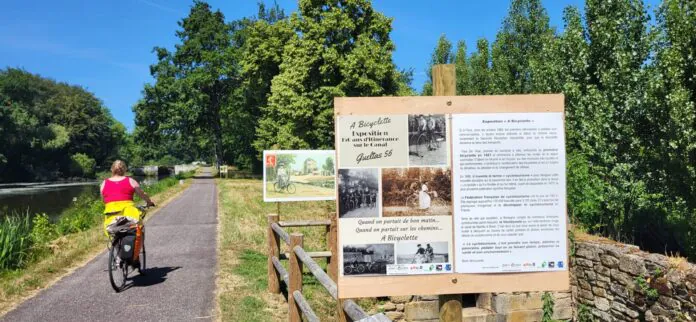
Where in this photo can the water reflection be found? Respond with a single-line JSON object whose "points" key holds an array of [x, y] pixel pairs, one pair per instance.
{"points": [[50, 198]]}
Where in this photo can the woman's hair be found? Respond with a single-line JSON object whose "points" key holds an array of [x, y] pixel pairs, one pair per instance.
{"points": [[119, 168]]}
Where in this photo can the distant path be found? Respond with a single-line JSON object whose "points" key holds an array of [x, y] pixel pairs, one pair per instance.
{"points": [[180, 281]]}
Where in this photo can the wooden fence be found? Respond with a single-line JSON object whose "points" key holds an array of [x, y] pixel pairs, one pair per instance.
{"points": [[348, 310]]}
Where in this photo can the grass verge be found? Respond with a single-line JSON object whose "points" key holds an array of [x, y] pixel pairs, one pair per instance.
{"points": [[241, 284], [68, 252]]}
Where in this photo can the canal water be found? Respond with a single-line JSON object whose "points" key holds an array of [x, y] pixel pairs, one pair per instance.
{"points": [[49, 197]]}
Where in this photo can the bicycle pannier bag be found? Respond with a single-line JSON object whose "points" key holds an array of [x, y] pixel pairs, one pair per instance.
{"points": [[127, 246]]}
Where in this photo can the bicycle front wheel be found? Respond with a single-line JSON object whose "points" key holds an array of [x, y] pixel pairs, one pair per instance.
{"points": [[421, 145], [292, 188], [118, 270]]}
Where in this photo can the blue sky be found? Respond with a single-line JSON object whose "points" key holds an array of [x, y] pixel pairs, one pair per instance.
{"points": [[106, 46]]}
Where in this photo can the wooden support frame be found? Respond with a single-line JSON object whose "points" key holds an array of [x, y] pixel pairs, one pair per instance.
{"points": [[273, 251], [453, 283], [295, 267], [297, 257], [445, 84]]}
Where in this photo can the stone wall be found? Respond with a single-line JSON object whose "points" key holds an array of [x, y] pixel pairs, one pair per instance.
{"points": [[490, 307], [609, 282], [616, 282]]}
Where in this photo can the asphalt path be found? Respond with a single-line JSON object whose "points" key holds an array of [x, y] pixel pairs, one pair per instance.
{"points": [[180, 281]]}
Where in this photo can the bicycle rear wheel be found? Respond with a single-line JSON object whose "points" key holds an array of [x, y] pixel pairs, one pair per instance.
{"points": [[143, 256], [292, 188], [118, 270]]}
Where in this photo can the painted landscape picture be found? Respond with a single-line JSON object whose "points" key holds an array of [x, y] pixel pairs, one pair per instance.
{"points": [[299, 175]]}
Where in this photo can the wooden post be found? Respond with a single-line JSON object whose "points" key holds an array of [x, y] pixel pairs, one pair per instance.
{"points": [[445, 84], [273, 250], [444, 80], [342, 316], [332, 264], [295, 268], [278, 208]]}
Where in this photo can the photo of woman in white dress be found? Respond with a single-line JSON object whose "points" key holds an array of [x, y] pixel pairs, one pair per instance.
{"points": [[424, 197]]}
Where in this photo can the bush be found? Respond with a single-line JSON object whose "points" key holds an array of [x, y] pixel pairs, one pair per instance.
{"points": [[82, 165], [42, 231], [84, 214], [168, 160]]}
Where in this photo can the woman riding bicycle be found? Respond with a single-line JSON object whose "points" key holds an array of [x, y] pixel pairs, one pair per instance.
{"points": [[117, 193]]}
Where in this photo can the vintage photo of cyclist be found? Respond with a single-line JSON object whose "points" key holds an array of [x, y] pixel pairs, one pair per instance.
{"points": [[363, 259], [299, 175], [358, 193], [422, 253], [427, 140], [417, 192]]}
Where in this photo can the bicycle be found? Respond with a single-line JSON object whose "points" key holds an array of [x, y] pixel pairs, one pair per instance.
{"points": [[118, 268], [281, 185]]}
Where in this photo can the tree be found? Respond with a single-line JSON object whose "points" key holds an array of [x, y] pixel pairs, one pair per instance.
{"points": [[192, 84], [518, 46], [340, 48], [329, 165], [261, 40], [479, 69], [43, 123], [441, 55], [461, 69], [670, 117]]}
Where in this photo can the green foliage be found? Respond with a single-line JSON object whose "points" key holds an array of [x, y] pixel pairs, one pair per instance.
{"points": [[479, 70], [14, 241], [329, 165], [42, 231], [441, 55], [83, 165], [584, 314], [192, 84], [461, 69], [519, 48], [45, 122], [338, 49], [85, 213], [547, 307], [650, 293]]}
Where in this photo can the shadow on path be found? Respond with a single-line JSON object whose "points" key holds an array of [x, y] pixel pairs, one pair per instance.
{"points": [[154, 275]]}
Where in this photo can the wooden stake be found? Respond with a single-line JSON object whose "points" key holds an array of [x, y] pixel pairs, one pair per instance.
{"points": [[295, 268], [332, 263], [450, 307], [342, 316], [444, 80], [445, 84], [273, 250]]}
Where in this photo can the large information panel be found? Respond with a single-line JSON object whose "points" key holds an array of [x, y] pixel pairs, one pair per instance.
{"points": [[467, 190]]}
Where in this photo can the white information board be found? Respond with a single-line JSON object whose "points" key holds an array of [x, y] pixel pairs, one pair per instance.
{"points": [[509, 192]]}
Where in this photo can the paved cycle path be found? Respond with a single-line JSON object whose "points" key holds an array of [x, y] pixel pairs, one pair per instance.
{"points": [[180, 282]]}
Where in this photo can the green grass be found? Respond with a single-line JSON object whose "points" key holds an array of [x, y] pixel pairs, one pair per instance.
{"points": [[242, 285], [15, 242]]}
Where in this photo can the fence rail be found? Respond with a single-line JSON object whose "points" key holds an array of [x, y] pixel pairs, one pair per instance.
{"points": [[297, 258]]}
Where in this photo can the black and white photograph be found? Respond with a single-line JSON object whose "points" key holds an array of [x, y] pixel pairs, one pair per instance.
{"points": [[358, 193], [363, 259], [422, 253], [427, 140], [416, 192]]}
